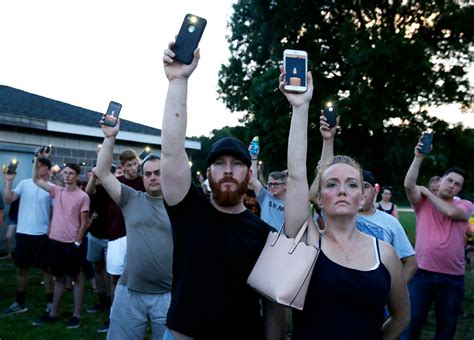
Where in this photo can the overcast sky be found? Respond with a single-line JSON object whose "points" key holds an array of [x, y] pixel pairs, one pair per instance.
{"points": [[89, 52]]}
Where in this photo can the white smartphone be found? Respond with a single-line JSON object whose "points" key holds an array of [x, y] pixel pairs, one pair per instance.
{"points": [[295, 66]]}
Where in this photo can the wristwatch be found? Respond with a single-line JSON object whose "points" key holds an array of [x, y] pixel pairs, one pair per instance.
{"points": [[77, 244]]}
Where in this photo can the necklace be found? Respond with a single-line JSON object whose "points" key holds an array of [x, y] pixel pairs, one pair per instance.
{"points": [[352, 247]]}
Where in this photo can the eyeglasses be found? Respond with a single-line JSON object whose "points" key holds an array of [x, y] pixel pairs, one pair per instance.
{"points": [[274, 184]]}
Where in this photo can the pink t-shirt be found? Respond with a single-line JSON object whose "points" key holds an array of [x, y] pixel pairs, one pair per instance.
{"points": [[439, 239], [68, 206]]}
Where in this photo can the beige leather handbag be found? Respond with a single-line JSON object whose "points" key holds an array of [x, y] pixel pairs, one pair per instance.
{"points": [[283, 269]]}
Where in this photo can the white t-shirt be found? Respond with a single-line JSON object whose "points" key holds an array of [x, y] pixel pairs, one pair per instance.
{"points": [[35, 208]]}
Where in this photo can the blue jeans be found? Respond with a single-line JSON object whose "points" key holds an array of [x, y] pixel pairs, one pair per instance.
{"points": [[447, 292]]}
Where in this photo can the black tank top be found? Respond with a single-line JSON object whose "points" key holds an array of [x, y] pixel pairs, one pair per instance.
{"points": [[388, 211], [343, 303]]}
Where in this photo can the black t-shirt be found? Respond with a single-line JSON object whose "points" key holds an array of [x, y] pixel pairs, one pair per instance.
{"points": [[214, 253], [99, 204]]}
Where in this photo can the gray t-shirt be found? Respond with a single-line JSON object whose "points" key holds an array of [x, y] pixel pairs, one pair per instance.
{"points": [[149, 243], [385, 227], [272, 209]]}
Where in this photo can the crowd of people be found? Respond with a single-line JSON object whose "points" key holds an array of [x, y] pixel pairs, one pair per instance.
{"points": [[177, 256]]}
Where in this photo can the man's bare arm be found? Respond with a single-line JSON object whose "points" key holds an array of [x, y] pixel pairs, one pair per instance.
{"points": [[9, 195], [410, 266], [104, 162], [175, 171], [38, 180], [446, 208]]}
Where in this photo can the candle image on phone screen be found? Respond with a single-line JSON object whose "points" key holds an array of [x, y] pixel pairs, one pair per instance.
{"points": [[295, 70]]}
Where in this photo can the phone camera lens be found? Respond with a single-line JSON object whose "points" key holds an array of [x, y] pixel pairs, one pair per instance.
{"points": [[191, 28]]}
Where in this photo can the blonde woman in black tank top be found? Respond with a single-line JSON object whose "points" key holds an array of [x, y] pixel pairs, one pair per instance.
{"points": [[355, 276]]}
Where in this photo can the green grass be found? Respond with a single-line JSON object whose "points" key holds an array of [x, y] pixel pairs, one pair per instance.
{"points": [[19, 326]]}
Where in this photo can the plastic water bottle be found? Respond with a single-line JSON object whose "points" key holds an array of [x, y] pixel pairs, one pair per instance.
{"points": [[254, 147]]}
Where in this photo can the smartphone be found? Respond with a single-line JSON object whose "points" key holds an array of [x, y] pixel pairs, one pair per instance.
{"points": [[11, 169], [188, 38], [427, 140], [111, 117], [145, 153], [295, 66], [330, 112]]}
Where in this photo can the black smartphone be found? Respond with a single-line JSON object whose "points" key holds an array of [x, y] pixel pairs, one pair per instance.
{"points": [[145, 153], [427, 140], [330, 112], [11, 169], [188, 38], [111, 117]]}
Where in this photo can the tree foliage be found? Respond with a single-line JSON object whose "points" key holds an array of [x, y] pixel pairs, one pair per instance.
{"points": [[384, 62]]}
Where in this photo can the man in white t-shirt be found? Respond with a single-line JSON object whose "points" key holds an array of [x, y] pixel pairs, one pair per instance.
{"points": [[32, 233]]}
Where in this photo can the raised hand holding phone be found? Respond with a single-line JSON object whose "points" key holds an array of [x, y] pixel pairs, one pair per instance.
{"points": [[110, 118], [427, 140], [295, 67], [188, 38], [330, 112]]}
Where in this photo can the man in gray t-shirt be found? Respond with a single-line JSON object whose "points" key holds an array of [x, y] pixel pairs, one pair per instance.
{"points": [[144, 290]]}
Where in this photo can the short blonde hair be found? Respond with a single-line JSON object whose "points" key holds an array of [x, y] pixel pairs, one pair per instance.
{"points": [[339, 159]]}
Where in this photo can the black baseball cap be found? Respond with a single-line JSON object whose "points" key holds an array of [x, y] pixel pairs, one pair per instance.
{"points": [[45, 161], [229, 146], [368, 177]]}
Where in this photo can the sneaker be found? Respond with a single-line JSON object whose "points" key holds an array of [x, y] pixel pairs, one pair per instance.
{"points": [[73, 323], [15, 308], [104, 328], [93, 309], [48, 308], [45, 318]]}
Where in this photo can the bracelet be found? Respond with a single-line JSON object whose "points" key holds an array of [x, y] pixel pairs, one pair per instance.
{"points": [[77, 244]]}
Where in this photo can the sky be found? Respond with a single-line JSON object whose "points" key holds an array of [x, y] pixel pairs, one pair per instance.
{"points": [[87, 53]]}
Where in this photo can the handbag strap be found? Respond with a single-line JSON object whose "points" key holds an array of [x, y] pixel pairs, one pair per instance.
{"points": [[298, 237]]}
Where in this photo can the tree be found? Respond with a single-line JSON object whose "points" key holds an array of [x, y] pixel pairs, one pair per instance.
{"points": [[380, 60]]}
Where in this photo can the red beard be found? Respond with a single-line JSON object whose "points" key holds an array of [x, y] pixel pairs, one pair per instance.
{"points": [[227, 197]]}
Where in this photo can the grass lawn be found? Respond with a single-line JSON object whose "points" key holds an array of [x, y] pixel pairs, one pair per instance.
{"points": [[19, 326]]}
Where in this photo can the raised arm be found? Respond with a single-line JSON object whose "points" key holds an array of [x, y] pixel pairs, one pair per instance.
{"points": [[104, 161], [297, 192], [175, 171], [327, 152], [411, 189], [38, 180], [8, 194], [445, 207], [90, 187], [254, 183]]}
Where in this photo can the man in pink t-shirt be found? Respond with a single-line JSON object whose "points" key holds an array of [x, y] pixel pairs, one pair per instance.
{"points": [[441, 223], [68, 226]]}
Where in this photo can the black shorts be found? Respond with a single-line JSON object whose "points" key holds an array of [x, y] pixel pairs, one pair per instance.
{"points": [[31, 251], [64, 258]]}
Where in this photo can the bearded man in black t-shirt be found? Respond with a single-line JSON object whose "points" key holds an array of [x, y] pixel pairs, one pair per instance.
{"points": [[216, 241]]}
